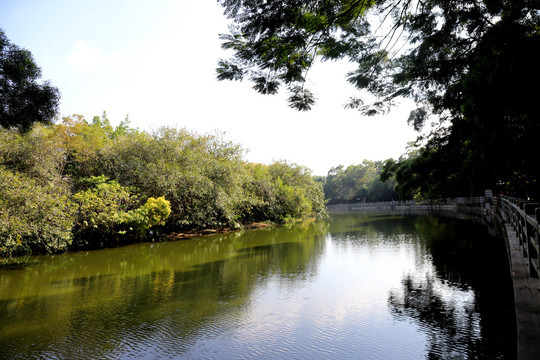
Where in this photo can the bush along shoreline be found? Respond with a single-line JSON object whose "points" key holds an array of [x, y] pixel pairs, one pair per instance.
{"points": [[85, 184]]}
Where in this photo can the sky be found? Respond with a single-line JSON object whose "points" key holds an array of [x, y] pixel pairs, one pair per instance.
{"points": [[155, 61]]}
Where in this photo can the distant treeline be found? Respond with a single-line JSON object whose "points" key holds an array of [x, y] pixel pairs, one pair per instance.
{"points": [[357, 183], [86, 184]]}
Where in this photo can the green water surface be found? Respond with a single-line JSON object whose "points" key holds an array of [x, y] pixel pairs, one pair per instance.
{"points": [[355, 286]]}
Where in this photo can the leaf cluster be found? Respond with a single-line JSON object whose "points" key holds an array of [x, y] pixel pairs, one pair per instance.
{"points": [[108, 213], [33, 216], [360, 182], [471, 66], [275, 43], [24, 101]]}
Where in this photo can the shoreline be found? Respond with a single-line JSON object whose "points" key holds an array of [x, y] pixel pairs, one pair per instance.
{"points": [[195, 233]]}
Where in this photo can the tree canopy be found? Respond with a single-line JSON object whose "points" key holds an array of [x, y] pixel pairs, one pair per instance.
{"points": [[358, 183], [23, 100], [471, 66], [86, 184]]}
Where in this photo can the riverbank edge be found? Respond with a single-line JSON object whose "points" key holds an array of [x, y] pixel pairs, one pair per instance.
{"points": [[173, 236], [13, 261]]}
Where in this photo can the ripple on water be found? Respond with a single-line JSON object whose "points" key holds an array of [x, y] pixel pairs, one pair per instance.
{"points": [[277, 335], [343, 298]]}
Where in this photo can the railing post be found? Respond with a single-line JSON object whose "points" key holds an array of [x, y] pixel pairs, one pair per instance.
{"points": [[537, 240], [522, 218], [529, 237], [531, 223], [513, 214]]}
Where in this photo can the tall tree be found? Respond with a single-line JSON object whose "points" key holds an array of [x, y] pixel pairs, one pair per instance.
{"points": [[471, 66], [358, 183], [23, 100], [425, 48]]}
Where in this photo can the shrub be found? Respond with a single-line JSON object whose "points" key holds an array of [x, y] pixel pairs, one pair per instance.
{"points": [[154, 212], [281, 192], [201, 176], [33, 217], [36, 154], [290, 202], [109, 213]]}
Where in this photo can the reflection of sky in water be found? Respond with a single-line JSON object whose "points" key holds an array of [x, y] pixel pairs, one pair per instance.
{"points": [[340, 312]]}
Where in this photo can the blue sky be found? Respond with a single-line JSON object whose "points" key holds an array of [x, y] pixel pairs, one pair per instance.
{"points": [[155, 60]]}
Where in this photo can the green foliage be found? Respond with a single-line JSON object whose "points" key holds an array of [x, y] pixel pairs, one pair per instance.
{"points": [[204, 178], [200, 175], [36, 154], [115, 182], [282, 192], [153, 212], [289, 202], [471, 66], [102, 207], [258, 191], [306, 194], [276, 42], [33, 217], [122, 129], [82, 142], [427, 173], [109, 212], [360, 182], [301, 99], [23, 101]]}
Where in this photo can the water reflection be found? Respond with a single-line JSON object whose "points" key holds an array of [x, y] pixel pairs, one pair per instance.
{"points": [[458, 298], [446, 314], [382, 286], [108, 301]]}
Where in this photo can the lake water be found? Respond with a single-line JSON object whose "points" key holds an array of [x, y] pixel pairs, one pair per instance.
{"points": [[354, 286]]}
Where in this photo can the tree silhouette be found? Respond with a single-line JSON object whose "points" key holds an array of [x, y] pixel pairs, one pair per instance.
{"points": [[23, 100]]}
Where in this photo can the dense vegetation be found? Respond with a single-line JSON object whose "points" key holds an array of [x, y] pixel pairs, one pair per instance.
{"points": [[81, 184], [471, 66], [357, 183]]}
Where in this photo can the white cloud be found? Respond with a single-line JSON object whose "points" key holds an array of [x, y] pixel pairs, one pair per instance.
{"points": [[85, 57]]}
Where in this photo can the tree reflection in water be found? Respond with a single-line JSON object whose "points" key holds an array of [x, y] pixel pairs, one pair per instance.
{"points": [[450, 314], [447, 315]]}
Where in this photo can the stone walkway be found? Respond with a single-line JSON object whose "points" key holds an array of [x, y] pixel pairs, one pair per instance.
{"points": [[527, 300]]}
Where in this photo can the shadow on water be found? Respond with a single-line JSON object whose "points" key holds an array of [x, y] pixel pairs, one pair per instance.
{"points": [[451, 319], [463, 300]]}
